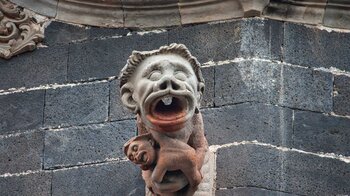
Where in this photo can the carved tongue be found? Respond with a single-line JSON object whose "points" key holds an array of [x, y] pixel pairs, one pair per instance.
{"points": [[167, 100]]}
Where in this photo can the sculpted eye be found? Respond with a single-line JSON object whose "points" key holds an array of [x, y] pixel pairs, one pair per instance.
{"points": [[180, 75], [135, 148], [155, 75]]}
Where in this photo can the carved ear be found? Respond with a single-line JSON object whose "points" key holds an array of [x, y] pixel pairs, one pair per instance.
{"points": [[126, 92], [201, 87]]}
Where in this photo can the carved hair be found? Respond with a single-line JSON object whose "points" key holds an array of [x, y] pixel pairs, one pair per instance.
{"points": [[137, 57]]}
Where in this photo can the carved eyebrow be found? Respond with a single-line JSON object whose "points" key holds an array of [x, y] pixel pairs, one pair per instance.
{"points": [[154, 66], [180, 67]]}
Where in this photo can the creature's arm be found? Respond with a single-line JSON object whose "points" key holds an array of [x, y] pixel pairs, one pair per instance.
{"points": [[197, 139], [159, 172]]}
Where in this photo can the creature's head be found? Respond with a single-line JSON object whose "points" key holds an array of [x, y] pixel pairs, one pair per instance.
{"points": [[163, 86], [141, 151]]}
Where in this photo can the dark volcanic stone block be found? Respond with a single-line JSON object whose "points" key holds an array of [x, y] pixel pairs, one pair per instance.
{"points": [[209, 41], [341, 99], [21, 152], [20, 111], [310, 46], [288, 171], [208, 97], [265, 123], [306, 89], [321, 133], [261, 38], [77, 105], [105, 58], [122, 178], [247, 81], [42, 66], [249, 191], [86, 144], [117, 110], [28, 184]]}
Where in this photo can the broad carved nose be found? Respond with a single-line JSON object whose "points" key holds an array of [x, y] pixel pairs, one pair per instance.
{"points": [[168, 83]]}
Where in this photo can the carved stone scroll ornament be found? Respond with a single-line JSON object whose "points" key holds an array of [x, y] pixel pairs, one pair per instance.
{"points": [[164, 88], [18, 31]]}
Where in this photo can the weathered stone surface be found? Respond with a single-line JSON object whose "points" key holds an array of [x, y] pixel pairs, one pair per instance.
{"points": [[21, 152], [21, 111], [247, 81], [208, 97], [62, 33], [105, 58], [261, 38], [265, 123], [86, 144], [117, 110], [210, 42], [253, 8], [341, 95], [287, 171], [304, 11], [121, 178], [77, 105], [321, 133], [310, 46], [249, 191], [337, 14], [42, 66], [28, 184], [306, 89], [46, 7]]}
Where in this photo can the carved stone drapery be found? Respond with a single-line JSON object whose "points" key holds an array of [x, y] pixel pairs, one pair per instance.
{"points": [[18, 31]]}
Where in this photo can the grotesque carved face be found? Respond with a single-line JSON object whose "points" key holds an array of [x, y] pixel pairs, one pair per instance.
{"points": [[141, 152], [166, 91]]}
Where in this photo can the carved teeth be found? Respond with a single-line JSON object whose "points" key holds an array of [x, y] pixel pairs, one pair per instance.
{"points": [[167, 100]]}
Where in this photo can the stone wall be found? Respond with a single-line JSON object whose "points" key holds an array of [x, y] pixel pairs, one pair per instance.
{"points": [[276, 109]]}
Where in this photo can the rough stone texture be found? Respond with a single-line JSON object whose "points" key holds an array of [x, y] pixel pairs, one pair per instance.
{"points": [[310, 46], [341, 93], [21, 152], [122, 178], [42, 66], [87, 144], [210, 42], [43, 7], [62, 33], [21, 111], [337, 14], [208, 97], [287, 171], [77, 105], [105, 58], [28, 184], [306, 89], [265, 123], [247, 81], [117, 110], [321, 133], [249, 191], [261, 38]]}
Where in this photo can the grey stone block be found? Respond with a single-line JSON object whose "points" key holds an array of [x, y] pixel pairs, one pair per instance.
{"points": [[62, 33], [86, 144], [341, 93], [21, 152], [249, 191], [210, 42], [46, 8], [306, 89], [21, 111], [247, 81], [121, 178], [105, 58], [261, 38], [42, 66], [77, 105], [265, 123], [208, 97], [321, 133], [28, 184], [337, 14], [288, 171], [309, 46], [117, 110]]}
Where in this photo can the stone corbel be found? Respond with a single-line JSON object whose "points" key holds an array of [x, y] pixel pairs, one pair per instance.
{"points": [[18, 31]]}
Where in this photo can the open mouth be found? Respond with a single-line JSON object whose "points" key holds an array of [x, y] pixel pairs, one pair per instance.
{"points": [[142, 157], [169, 108]]}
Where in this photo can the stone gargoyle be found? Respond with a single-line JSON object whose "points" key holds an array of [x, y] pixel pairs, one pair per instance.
{"points": [[164, 88]]}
